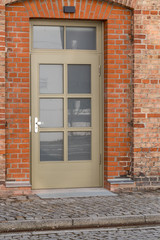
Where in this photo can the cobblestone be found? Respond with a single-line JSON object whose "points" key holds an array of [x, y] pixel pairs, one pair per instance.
{"points": [[32, 207], [134, 233], [32, 213]]}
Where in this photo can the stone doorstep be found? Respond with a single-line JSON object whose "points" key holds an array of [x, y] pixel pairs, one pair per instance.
{"points": [[73, 192], [70, 223], [21, 188]]}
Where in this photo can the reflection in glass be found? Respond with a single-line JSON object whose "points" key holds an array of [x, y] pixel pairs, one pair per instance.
{"points": [[51, 78], [81, 38], [79, 146], [48, 37], [79, 112], [79, 78], [51, 146], [51, 112]]}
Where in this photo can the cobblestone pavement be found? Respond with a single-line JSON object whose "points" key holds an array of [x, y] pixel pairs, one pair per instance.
{"points": [[135, 233], [34, 208]]}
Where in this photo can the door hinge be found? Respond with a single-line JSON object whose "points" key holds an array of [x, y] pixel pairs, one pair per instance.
{"points": [[99, 70], [100, 159]]}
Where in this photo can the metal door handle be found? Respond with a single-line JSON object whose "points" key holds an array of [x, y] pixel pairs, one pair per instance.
{"points": [[37, 123]]}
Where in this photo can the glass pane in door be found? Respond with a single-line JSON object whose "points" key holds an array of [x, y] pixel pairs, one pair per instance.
{"points": [[51, 146], [51, 78], [79, 112], [81, 38], [48, 37], [51, 113], [79, 78], [79, 146]]}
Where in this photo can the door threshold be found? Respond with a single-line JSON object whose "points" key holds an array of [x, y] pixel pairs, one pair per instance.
{"points": [[72, 193]]}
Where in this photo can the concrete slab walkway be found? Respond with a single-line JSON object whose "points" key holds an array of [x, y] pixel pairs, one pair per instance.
{"points": [[75, 192], [25, 213]]}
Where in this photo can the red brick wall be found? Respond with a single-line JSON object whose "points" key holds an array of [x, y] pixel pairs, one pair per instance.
{"points": [[2, 93], [147, 94], [118, 73], [122, 93], [17, 93], [118, 98]]}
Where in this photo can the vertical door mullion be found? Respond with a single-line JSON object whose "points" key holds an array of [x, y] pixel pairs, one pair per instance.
{"points": [[38, 109], [64, 37], [65, 115]]}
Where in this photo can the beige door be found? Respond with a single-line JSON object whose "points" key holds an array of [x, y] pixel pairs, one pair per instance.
{"points": [[65, 120]]}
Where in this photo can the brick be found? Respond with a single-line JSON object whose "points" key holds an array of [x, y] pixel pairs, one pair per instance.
{"points": [[119, 108]]}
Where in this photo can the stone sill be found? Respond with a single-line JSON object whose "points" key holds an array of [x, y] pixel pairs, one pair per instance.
{"points": [[120, 181], [10, 184]]}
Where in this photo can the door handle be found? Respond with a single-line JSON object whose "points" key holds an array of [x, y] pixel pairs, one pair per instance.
{"points": [[37, 123]]}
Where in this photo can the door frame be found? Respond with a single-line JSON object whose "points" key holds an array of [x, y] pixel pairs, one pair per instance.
{"points": [[100, 51]]}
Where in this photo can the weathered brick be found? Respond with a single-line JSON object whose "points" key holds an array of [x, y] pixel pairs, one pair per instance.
{"points": [[131, 111]]}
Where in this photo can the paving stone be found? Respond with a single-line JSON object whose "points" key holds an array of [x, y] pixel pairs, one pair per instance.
{"points": [[133, 233], [124, 204]]}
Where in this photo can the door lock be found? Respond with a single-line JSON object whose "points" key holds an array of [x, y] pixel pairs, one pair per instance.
{"points": [[37, 123]]}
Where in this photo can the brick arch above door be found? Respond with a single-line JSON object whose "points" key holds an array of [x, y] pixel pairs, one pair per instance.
{"points": [[127, 3], [91, 10]]}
